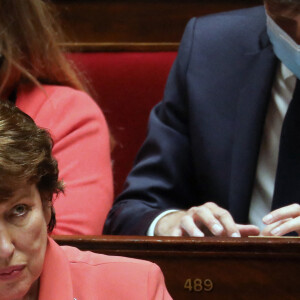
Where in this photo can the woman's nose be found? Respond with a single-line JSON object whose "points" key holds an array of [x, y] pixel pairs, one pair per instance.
{"points": [[6, 245]]}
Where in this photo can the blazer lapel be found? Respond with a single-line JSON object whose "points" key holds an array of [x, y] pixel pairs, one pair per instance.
{"points": [[55, 280], [251, 111]]}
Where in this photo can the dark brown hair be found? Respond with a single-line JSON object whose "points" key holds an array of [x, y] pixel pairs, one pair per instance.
{"points": [[283, 4], [26, 157], [29, 45]]}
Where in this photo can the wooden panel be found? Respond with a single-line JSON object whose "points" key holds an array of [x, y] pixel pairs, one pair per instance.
{"points": [[247, 268], [90, 23]]}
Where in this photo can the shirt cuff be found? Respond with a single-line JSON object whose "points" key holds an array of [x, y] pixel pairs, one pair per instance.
{"points": [[150, 231]]}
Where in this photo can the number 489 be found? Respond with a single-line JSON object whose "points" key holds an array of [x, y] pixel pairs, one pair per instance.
{"points": [[198, 285]]}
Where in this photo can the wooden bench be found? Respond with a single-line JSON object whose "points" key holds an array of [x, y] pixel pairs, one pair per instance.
{"points": [[212, 268], [136, 25]]}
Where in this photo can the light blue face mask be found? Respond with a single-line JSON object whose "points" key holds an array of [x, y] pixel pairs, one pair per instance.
{"points": [[285, 48]]}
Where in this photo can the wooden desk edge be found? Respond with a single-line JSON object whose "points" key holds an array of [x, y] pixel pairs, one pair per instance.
{"points": [[286, 245]]}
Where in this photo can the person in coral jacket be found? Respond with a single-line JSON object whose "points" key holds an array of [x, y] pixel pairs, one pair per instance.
{"points": [[32, 265], [81, 147], [70, 273], [37, 77]]}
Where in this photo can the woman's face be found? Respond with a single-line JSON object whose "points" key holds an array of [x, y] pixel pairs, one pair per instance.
{"points": [[23, 242]]}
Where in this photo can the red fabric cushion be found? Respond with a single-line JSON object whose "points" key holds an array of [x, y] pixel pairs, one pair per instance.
{"points": [[127, 86]]}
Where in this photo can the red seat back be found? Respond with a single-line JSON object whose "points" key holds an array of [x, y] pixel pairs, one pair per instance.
{"points": [[127, 86]]}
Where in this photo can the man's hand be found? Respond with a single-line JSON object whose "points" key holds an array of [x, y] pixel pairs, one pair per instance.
{"points": [[282, 221], [205, 220]]}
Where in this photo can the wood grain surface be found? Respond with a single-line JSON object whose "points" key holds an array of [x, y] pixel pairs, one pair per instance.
{"points": [[246, 268]]}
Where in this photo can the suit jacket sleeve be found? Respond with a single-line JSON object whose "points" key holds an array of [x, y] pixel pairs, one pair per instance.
{"points": [[162, 177]]}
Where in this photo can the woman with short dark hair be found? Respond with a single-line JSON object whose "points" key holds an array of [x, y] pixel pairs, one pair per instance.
{"points": [[32, 265]]}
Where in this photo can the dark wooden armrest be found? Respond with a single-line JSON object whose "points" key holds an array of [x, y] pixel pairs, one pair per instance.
{"points": [[211, 268]]}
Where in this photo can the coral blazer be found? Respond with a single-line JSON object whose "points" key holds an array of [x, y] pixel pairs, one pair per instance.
{"points": [[82, 149], [69, 274]]}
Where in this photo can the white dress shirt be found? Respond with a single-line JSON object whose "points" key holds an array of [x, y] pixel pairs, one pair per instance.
{"points": [[263, 190]]}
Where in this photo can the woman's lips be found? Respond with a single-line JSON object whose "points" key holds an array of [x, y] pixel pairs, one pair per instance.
{"points": [[10, 273]]}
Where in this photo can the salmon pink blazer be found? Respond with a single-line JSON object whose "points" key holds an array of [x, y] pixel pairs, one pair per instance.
{"points": [[82, 149], [69, 274]]}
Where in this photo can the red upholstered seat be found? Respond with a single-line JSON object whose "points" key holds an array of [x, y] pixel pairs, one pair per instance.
{"points": [[127, 86]]}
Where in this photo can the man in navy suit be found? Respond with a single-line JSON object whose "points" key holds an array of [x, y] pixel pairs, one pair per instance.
{"points": [[208, 165]]}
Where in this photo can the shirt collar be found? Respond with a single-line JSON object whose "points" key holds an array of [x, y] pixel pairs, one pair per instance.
{"points": [[286, 72]]}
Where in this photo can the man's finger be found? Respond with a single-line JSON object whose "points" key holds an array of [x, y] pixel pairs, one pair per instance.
{"points": [[248, 230], [290, 211], [204, 216], [188, 225], [228, 223], [287, 227]]}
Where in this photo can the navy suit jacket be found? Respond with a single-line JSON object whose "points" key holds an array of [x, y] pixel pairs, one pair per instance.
{"points": [[204, 137]]}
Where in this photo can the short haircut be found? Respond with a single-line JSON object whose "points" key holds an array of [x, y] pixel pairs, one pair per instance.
{"points": [[26, 157]]}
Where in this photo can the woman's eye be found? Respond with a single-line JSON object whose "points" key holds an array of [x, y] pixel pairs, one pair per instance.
{"points": [[19, 210]]}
